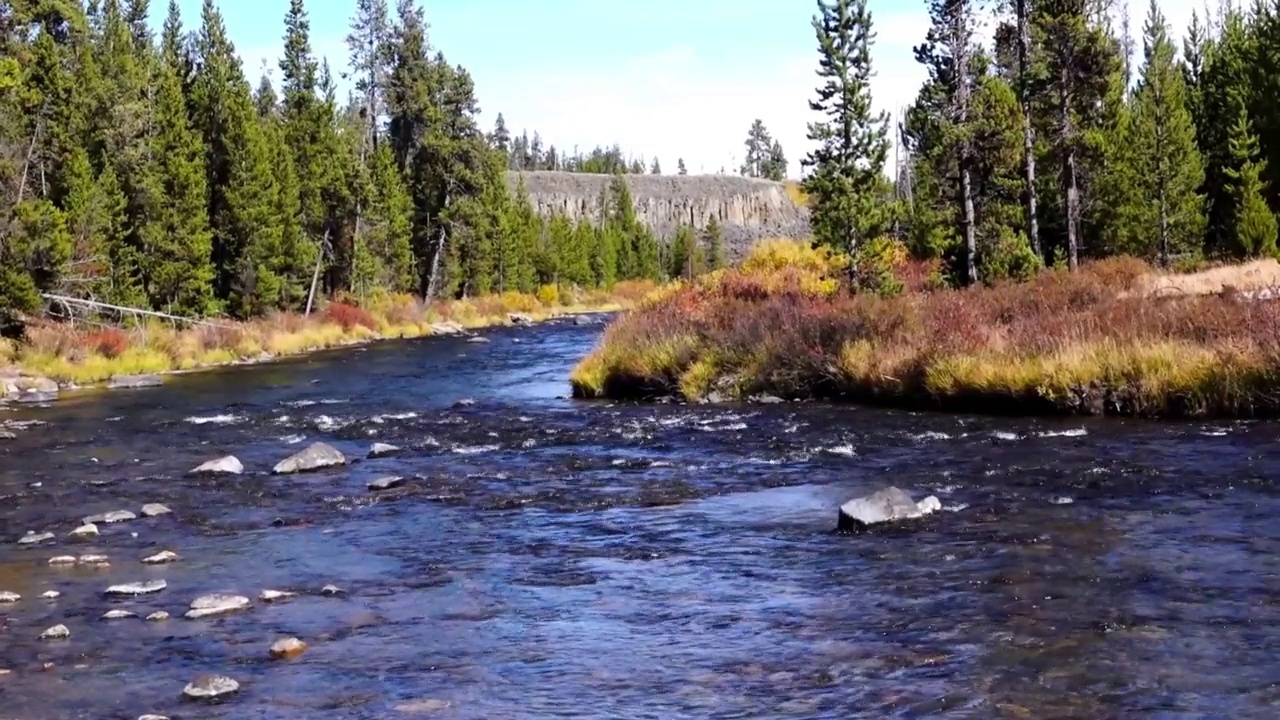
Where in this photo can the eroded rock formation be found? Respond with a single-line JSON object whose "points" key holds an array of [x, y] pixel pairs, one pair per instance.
{"points": [[746, 208]]}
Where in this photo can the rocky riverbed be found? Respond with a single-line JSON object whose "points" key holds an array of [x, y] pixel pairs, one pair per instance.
{"points": [[524, 555]]}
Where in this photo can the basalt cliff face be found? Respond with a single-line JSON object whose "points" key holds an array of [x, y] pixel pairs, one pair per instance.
{"points": [[746, 208]]}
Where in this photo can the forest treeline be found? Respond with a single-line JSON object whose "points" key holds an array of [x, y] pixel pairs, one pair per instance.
{"points": [[1073, 135], [149, 172]]}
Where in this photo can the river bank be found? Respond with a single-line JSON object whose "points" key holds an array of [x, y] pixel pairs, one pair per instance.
{"points": [[58, 356], [1094, 342]]}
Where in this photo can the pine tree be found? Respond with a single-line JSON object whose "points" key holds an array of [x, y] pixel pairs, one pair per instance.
{"points": [[758, 145], [500, 138], [713, 245], [1024, 78], [1253, 224], [390, 231], [1170, 168], [656, 167], [680, 168], [853, 140], [776, 167], [685, 260], [1224, 83]]}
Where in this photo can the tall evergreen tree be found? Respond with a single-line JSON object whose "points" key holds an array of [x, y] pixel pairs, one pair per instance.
{"points": [[853, 140], [680, 168], [1253, 223]]}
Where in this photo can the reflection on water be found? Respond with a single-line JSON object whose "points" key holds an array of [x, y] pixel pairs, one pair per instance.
{"points": [[548, 558]]}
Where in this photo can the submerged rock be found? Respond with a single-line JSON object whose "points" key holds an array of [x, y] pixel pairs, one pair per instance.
{"points": [[583, 320], [57, 632], [99, 560], [153, 717], [229, 465], [62, 560], [386, 483], [32, 538], [287, 648], [209, 687], [118, 615], [115, 516], [155, 509], [9, 597], [380, 449], [216, 604], [86, 531], [145, 587], [274, 595], [50, 595], [316, 456], [132, 382], [478, 340], [332, 590], [888, 505], [164, 556], [158, 616], [464, 402]]}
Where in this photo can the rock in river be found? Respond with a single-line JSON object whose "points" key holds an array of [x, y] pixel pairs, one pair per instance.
{"points": [[229, 465], [380, 449], [208, 687], [132, 382], [386, 483], [118, 615], [9, 597], [164, 556], [315, 457], [50, 595], [63, 560], [216, 604], [887, 505], [114, 516], [57, 632], [86, 531], [145, 587], [519, 319], [155, 509], [274, 595], [287, 648], [31, 538], [158, 616], [478, 340]]}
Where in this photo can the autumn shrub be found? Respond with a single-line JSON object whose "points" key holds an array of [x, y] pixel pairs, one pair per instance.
{"points": [[219, 337], [549, 295], [348, 316], [107, 342]]}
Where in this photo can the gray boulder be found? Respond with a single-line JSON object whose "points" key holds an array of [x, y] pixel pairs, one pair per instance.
{"points": [[229, 465], [883, 506], [133, 382], [379, 449], [315, 457], [386, 483], [519, 319]]}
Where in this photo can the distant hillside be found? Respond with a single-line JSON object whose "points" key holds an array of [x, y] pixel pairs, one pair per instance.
{"points": [[748, 209]]}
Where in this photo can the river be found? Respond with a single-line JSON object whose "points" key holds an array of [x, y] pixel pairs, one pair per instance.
{"points": [[550, 558]]}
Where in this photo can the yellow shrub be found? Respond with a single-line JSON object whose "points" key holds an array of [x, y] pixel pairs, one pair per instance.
{"points": [[549, 295], [769, 256]]}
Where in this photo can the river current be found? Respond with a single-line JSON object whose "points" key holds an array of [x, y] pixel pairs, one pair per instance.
{"points": [[551, 558]]}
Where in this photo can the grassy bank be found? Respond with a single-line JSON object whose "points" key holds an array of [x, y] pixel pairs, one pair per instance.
{"points": [[1090, 342], [86, 354]]}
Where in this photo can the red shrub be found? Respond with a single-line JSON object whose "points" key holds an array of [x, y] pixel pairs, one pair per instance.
{"points": [[348, 316], [108, 342]]}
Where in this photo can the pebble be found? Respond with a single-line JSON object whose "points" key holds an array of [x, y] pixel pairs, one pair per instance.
{"points": [[114, 516], [386, 483], [158, 616], [331, 590], [85, 532], [117, 615], [287, 648], [216, 604], [63, 560], [273, 595], [100, 560], [31, 538], [51, 595], [164, 556], [9, 597], [57, 632], [208, 687], [138, 588], [154, 509]]}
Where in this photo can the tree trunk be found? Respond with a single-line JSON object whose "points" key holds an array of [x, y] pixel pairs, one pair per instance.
{"points": [[1070, 179], [1028, 135]]}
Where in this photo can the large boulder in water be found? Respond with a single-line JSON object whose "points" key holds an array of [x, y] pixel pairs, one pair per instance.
{"points": [[883, 506], [315, 457]]}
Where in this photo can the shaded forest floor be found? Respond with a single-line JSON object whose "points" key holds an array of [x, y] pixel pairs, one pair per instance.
{"points": [[1110, 339], [84, 354]]}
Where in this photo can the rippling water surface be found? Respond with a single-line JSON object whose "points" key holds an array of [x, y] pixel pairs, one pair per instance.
{"points": [[551, 558]]}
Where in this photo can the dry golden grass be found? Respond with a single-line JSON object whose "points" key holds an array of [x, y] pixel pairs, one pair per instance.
{"points": [[1248, 276], [85, 355]]}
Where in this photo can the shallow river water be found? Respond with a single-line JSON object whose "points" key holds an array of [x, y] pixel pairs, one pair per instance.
{"points": [[550, 558]]}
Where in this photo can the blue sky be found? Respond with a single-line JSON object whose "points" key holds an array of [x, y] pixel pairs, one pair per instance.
{"points": [[671, 78]]}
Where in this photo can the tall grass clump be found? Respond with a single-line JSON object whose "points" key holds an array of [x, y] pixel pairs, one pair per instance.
{"points": [[787, 323]]}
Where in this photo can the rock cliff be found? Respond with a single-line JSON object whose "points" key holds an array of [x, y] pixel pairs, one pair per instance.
{"points": [[748, 209]]}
